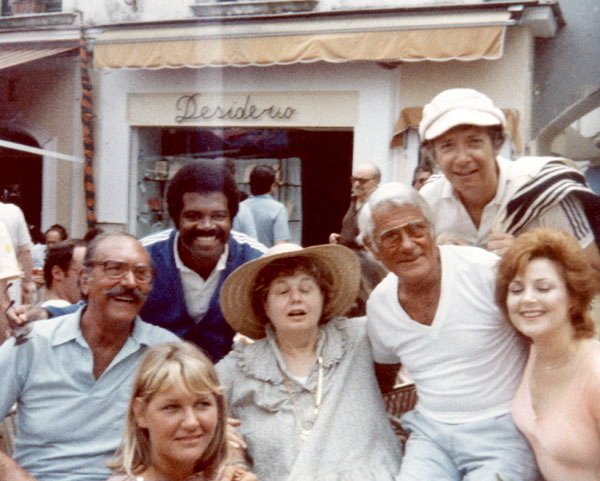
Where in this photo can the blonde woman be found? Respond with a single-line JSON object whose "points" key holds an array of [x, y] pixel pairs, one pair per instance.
{"points": [[176, 421]]}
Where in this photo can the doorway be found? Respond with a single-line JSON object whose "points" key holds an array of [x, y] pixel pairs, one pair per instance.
{"points": [[325, 158], [21, 177]]}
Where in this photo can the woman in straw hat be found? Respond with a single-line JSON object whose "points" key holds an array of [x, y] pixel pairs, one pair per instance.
{"points": [[305, 391]]}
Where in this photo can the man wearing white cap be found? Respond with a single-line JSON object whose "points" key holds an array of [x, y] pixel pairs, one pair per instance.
{"points": [[483, 199]]}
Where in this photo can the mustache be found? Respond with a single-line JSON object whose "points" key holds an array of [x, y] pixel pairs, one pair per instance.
{"points": [[204, 233], [118, 291]]}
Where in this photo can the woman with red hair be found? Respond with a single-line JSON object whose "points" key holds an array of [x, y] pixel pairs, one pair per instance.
{"points": [[545, 286]]}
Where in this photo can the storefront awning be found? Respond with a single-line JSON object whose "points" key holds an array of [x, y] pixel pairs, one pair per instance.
{"points": [[11, 56], [410, 118], [464, 36]]}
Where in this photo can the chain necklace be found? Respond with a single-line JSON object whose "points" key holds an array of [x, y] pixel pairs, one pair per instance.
{"points": [[302, 427]]}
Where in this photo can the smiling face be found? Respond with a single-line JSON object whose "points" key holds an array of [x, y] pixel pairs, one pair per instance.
{"points": [[180, 426], [402, 240], [538, 300], [294, 303], [466, 155], [204, 226], [115, 300]]}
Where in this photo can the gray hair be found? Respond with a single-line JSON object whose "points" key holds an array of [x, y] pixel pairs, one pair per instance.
{"points": [[390, 194]]}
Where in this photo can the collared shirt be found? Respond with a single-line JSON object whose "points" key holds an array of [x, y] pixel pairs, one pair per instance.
{"points": [[197, 291], [350, 438], [270, 217], [451, 216], [69, 423]]}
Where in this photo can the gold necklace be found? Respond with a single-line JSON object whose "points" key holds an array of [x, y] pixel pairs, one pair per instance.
{"points": [[304, 430]]}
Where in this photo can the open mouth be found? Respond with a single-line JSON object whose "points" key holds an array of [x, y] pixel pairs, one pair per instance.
{"points": [[125, 298], [531, 314], [465, 174], [296, 313]]}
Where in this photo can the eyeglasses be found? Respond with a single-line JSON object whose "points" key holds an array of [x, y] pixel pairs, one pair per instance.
{"points": [[115, 269], [360, 180], [415, 229]]}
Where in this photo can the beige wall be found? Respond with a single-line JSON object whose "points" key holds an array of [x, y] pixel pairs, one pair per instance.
{"points": [[45, 105], [508, 81]]}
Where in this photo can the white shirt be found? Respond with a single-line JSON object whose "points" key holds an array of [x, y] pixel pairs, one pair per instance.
{"points": [[467, 364], [451, 217], [198, 291]]}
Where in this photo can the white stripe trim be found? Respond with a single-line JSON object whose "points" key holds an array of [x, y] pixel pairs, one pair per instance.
{"points": [[246, 239]]}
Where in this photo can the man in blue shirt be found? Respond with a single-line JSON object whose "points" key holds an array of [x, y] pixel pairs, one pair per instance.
{"points": [[194, 259], [71, 376], [270, 216]]}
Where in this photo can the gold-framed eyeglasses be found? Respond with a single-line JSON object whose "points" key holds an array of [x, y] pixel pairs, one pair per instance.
{"points": [[415, 229], [360, 180], [116, 269]]}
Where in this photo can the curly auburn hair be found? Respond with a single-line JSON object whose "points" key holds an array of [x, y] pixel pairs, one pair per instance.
{"points": [[573, 264]]}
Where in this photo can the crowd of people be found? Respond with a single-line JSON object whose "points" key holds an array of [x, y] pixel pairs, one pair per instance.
{"points": [[478, 285]]}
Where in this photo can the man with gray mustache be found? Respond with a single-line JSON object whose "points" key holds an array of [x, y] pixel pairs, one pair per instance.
{"points": [[71, 375]]}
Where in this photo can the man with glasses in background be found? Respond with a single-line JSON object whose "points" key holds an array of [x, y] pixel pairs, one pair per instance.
{"points": [[365, 179], [71, 375]]}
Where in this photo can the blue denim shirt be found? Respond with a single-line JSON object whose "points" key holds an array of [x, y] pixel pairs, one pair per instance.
{"points": [[69, 423]]}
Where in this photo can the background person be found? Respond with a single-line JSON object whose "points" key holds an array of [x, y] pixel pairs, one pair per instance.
{"points": [[61, 273], [305, 391], [545, 288], [270, 215], [365, 179], [176, 420], [21, 290], [483, 199]]}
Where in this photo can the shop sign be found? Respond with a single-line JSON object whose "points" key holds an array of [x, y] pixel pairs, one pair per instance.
{"points": [[195, 107], [267, 109]]}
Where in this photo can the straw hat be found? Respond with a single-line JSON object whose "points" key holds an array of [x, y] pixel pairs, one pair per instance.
{"points": [[454, 107], [236, 293]]}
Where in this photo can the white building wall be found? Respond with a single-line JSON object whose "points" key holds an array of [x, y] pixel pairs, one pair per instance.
{"points": [[377, 110], [508, 81]]}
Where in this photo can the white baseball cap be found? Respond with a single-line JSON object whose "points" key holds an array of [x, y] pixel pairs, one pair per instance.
{"points": [[458, 107]]}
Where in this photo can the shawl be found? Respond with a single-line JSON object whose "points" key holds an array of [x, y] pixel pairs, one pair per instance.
{"points": [[552, 180]]}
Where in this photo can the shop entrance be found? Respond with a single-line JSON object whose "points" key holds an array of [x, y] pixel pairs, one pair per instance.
{"points": [[314, 168], [21, 176]]}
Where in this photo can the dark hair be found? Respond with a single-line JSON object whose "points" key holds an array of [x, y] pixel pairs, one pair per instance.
{"points": [[92, 233], [61, 255], [573, 264], [262, 178], [288, 267], [202, 177], [496, 133], [62, 232]]}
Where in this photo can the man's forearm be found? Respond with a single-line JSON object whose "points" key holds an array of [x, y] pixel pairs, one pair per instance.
{"points": [[11, 471], [24, 256]]}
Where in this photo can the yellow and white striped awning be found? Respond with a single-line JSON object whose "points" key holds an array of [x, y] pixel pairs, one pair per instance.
{"points": [[441, 37]]}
